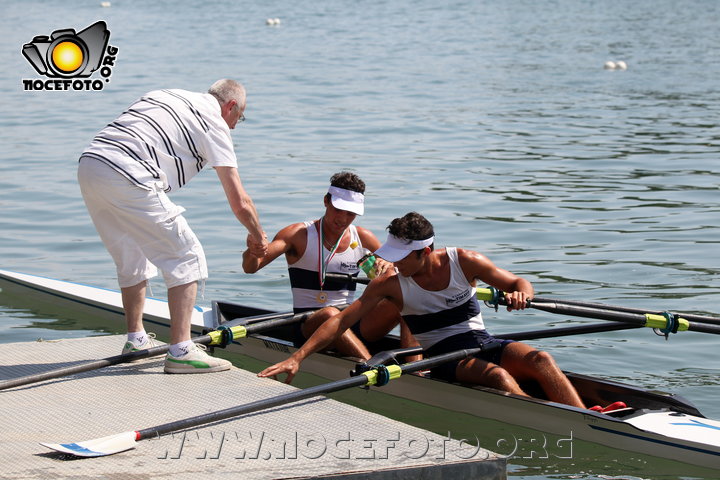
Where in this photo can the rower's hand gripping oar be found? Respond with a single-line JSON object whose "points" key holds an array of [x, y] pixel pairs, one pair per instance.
{"points": [[235, 329], [664, 322], [378, 376]]}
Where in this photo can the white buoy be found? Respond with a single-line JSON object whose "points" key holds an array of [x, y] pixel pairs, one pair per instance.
{"points": [[620, 65], [105, 4], [610, 65], [272, 21]]}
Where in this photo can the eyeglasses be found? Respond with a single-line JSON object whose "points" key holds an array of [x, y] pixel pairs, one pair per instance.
{"points": [[242, 116]]}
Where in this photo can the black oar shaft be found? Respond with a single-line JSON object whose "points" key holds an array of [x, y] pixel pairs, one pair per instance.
{"points": [[587, 312], [287, 320], [701, 327], [298, 395], [252, 407], [602, 306], [566, 331], [84, 367], [620, 316]]}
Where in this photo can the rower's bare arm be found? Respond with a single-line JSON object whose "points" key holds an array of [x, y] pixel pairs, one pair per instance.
{"points": [[329, 331], [283, 243], [407, 339], [242, 205], [368, 239], [478, 267]]}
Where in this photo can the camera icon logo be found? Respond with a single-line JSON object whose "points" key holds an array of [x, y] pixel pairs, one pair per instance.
{"points": [[68, 54]]}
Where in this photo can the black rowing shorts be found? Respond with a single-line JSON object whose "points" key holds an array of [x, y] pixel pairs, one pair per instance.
{"points": [[471, 339]]}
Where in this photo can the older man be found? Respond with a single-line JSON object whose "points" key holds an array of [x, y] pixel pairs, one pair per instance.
{"points": [[154, 148]]}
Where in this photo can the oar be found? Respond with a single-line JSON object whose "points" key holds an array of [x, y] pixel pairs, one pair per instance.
{"points": [[687, 316], [665, 322], [375, 375], [221, 337], [391, 355], [378, 375]]}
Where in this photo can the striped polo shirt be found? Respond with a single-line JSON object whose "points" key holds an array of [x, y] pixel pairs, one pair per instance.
{"points": [[165, 139]]}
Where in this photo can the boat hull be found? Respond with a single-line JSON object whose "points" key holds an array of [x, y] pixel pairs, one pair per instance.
{"points": [[660, 425]]}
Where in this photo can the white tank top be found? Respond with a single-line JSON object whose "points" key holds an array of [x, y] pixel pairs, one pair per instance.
{"points": [[433, 316], [305, 278]]}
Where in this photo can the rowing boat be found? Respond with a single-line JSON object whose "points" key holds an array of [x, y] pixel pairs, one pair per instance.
{"points": [[655, 423]]}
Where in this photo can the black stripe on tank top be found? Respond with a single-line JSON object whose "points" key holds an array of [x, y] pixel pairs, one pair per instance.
{"points": [[309, 279], [444, 318]]}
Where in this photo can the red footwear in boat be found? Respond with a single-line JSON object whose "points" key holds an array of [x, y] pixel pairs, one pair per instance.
{"points": [[609, 408], [614, 406]]}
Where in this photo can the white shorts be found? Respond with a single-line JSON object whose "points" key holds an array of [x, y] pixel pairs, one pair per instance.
{"points": [[141, 228]]}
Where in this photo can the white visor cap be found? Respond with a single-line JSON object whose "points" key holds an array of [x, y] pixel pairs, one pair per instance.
{"points": [[349, 200], [395, 249]]}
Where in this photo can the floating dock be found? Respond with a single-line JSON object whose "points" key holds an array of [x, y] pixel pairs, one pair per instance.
{"points": [[315, 438]]}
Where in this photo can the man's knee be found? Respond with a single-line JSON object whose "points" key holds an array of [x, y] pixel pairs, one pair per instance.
{"points": [[317, 319], [542, 360], [501, 379]]}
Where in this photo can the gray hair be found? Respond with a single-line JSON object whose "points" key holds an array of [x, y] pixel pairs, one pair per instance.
{"points": [[225, 90]]}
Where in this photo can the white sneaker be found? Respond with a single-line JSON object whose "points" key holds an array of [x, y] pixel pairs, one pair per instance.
{"points": [[149, 343], [195, 361]]}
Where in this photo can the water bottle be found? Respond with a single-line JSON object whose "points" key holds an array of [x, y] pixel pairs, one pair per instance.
{"points": [[367, 265]]}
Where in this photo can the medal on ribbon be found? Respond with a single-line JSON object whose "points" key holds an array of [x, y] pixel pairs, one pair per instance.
{"points": [[322, 297]]}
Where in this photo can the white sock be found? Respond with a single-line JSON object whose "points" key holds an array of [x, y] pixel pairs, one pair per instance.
{"points": [[182, 348], [137, 338]]}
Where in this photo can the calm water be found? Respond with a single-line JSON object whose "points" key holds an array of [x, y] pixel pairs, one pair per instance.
{"points": [[495, 119]]}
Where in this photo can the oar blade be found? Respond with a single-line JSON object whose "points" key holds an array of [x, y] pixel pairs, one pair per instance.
{"points": [[98, 447]]}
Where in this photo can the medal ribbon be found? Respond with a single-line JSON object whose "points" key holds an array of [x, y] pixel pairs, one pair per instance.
{"points": [[323, 263]]}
